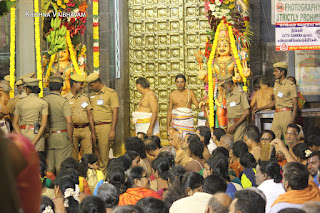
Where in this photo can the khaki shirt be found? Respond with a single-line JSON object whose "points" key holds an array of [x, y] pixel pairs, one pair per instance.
{"points": [[58, 109], [284, 92], [30, 109], [12, 103], [237, 103], [79, 107], [102, 103]]}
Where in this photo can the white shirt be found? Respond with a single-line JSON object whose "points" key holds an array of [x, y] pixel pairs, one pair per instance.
{"points": [[197, 203], [272, 191], [211, 146]]}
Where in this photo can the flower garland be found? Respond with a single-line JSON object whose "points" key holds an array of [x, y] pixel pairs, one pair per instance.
{"points": [[96, 53], [236, 56], [37, 44], [221, 9], [210, 75], [12, 49], [75, 24], [52, 57], [72, 54]]}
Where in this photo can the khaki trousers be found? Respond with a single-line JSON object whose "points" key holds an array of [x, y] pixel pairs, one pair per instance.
{"points": [[280, 122], [59, 148], [29, 133], [82, 136], [102, 132], [241, 129]]}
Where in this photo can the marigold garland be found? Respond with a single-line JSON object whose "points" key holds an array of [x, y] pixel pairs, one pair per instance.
{"points": [[12, 49], [72, 54], [96, 50], [210, 75], [37, 44], [52, 57], [236, 56]]}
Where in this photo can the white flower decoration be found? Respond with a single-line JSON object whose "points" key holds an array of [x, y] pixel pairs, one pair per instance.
{"points": [[70, 192], [212, 7], [66, 203], [307, 152], [218, 3], [48, 209]]}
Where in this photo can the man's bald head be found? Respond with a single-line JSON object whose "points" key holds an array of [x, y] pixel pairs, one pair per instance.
{"points": [[219, 203], [175, 138], [226, 141]]}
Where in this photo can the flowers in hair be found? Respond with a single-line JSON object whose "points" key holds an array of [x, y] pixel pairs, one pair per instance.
{"points": [[48, 209]]}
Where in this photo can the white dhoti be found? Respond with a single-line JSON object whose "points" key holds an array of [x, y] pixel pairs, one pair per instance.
{"points": [[182, 119], [142, 122], [201, 119]]}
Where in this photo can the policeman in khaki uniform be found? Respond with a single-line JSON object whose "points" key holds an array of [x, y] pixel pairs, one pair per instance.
{"points": [[81, 116], [237, 107], [32, 112], [13, 101], [285, 100], [60, 126], [21, 93], [105, 107]]}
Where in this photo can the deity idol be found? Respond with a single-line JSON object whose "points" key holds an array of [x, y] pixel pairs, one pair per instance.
{"points": [[224, 63], [65, 69]]}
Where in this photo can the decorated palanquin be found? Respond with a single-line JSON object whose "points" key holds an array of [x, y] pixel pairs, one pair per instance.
{"points": [[67, 54], [226, 53]]}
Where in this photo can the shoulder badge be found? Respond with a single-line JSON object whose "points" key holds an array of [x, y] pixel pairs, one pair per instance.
{"points": [[290, 82], [109, 89]]}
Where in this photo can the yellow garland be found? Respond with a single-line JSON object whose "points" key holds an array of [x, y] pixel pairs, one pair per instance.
{"points": [[210, 76], [96, 61], [72, 54], [96, 55], [37, 44], [52, 57], [236, 56], [12, 49], [95, 33]]}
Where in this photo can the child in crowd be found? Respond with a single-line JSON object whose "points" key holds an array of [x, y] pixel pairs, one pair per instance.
{"points": [[71, 163], [89, 166], [247, 176]]}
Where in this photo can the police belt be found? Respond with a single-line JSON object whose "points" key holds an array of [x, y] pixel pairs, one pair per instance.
{"points": [[102, 123], [80, 125], [26, 127], [59, 131], [282, 109]]}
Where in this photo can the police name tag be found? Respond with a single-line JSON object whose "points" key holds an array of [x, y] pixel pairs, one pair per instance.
{"points": [[70, 102], [84, 105], [280, 94], [92, 96], [233, 104], [99, 102]]}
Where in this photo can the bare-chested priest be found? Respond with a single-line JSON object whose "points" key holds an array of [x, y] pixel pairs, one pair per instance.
{"points": [[180, 114], [145, 116]]}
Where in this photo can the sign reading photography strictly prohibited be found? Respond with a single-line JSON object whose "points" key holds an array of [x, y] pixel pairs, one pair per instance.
{"points": [[297, 25]]}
